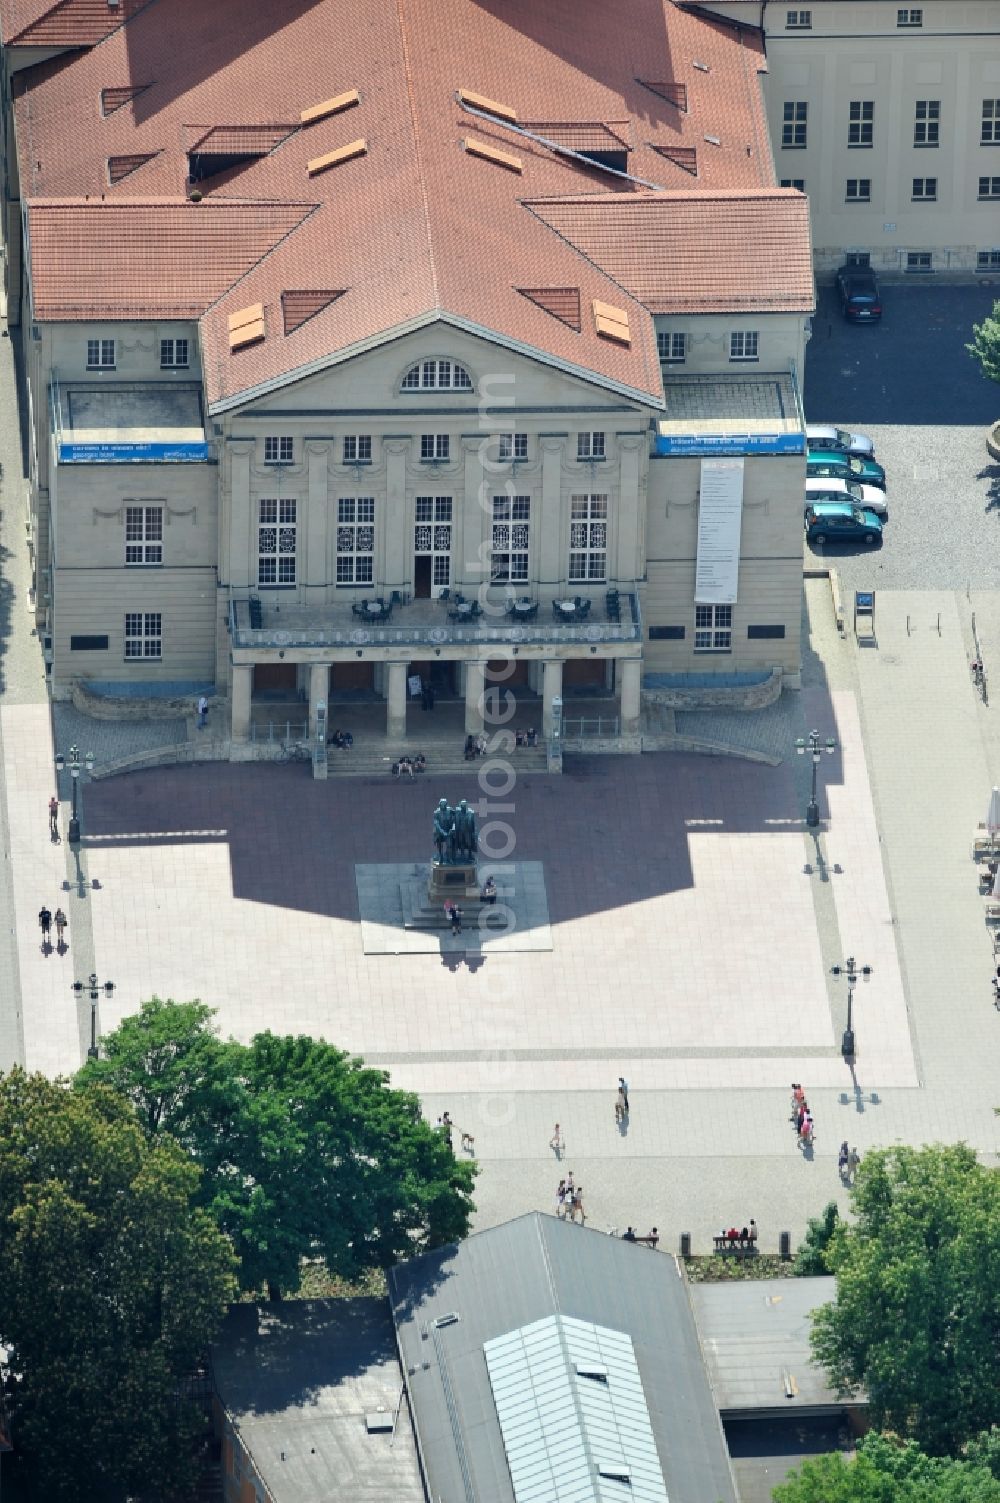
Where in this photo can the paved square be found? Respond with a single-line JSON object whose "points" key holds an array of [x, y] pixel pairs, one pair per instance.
{"points": [[518, 923]]}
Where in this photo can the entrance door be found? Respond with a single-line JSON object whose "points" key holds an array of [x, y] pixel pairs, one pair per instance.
{"points": [[431, 546]]}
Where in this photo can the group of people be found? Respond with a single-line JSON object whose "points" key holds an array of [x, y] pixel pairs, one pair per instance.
{"points": [[847, 1162], [342, 739], [631, 1235], [409, 766], [475, 746], [802, 1117], [741, 1236], [526, 738], [452, 912], [569, 1200], [447, 1128], [45, 921]]}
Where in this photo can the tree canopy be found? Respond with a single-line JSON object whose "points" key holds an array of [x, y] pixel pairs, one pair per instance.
{"points": [[306, 1152], [985, 346], [112, 1284], [889, 1471], [916, 1320]]}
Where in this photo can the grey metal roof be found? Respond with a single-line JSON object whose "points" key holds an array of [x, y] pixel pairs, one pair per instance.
{"points": [[526, 1271], [298, 1380], [755, 1337]]}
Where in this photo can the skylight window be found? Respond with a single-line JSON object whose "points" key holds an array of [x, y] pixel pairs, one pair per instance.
{"points": [[493, 154], [334, 158]]}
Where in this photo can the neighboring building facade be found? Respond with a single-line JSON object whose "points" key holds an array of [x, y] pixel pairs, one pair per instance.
{"points": [[888, 117], [436, 328]]}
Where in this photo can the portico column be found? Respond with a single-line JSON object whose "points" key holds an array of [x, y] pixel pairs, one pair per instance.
{"points": [[552, 675], [239, 702], [631, 672], [319, 692], [475, 688], [395, 701]]}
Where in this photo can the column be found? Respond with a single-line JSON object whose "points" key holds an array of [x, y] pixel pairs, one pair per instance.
{"points": [[552, 673], [552, 556], [396, 527], [633, 451], [236, 549], [395, 700], [475, 688], [631, 676], [319, 692], [317, 511], [239, 702]]}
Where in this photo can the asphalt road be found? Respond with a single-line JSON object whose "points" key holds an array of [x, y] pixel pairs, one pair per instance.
{"points": [[910, 385]]}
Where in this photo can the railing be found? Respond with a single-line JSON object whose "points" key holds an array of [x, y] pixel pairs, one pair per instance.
{"points": [[590, 725], [281, 730]]}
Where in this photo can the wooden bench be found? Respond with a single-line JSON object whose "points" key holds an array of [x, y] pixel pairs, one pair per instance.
{"points": [[741, 1247], [645, 1241]]}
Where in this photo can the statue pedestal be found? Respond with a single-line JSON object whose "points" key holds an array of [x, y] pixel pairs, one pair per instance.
{"points": [[458, 883]]}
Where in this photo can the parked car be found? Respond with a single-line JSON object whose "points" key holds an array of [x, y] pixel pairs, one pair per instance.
{"points": [[823, 488], [823, 462], [825, 436], [860, 300], [841, 522]]}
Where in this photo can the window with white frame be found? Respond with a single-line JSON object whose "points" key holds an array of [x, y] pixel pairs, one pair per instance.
{"points": [[588, 539], [798, 20], [927, 123], [919, 261], [795, 116], [100, 354], [989, 134], [355, 540], [858, 190], [512, 446], [671, 346], [988, 260], [511, 535], [358, 448], [276, 541], [144, 535], [924, 190], [437, 375], [793, 182], [989, 187], [858, 258], [744, 344], [435, 446], [432, 534], [713, 628], [590, 446], [173, 354], [278, 450], [909, 17], [143, 634], [861, 122]]}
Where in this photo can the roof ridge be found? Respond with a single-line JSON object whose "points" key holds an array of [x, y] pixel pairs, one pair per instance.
{"points": [[270, 251]]}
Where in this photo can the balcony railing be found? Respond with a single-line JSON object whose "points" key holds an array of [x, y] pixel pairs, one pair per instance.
{"points": [[421, 623]]}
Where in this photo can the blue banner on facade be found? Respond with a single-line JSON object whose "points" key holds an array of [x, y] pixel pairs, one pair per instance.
{"points": [[730, 443], [133, 453]]}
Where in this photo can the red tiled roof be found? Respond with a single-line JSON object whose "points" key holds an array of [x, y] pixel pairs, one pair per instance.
{"points": [[583, 135], [562, 302], [119, 167], [113, 99], [248, 140], [62, 23], [697, 252], [298, 306], [416, 228]]}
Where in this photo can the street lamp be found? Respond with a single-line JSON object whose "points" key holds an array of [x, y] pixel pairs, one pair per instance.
{"points": [[813, 746], [72, 761], [93, 988], [852, 971]]}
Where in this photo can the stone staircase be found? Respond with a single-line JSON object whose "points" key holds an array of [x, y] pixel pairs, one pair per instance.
{"points": [[373, 758]]}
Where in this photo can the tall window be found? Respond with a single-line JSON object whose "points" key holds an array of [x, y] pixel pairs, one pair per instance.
{"points": [[432, 534], [358, 448], [276, 542], [924, 190], [143, 634], [859, 190], [590, 446], [927, 125], [513, 446], [798, 20], [909, 17], [144, 535], [793, 124], [861, 122], [672, 347], [173, 354], [355, 539], [989, 187], [713, 628], [588, 538], [278, 450], [990, 132], [100, 354], [437, 375], [744, 344], [435, 446], [511, 531]]}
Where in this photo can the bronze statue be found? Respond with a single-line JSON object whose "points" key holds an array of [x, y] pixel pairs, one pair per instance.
{"points": [[455, 833], [444, 831], [466, 835]]}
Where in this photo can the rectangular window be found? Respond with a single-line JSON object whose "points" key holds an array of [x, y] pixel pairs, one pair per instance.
{"points": [[918, 261], [990, 132], [909, 17], [765, 633], [513, 446], [276, 541], [590, 446], [278, 450], [143, 634], [927, 124], [859, 190], [97, 643], [100, 354], [924, 189], [588, 539], [511, 532], [744, 344], [793, 125], [144, 535], [861, 122], [858, 258], [432, 534], [358, 449], [672, 347], [713, 628], [798, 20], [988, 260], [355, 540], [173, 354], [435, 446], [989, 187], [793, 182]]}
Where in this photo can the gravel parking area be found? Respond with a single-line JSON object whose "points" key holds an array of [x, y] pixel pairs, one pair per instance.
{"points": [[909, 383]]}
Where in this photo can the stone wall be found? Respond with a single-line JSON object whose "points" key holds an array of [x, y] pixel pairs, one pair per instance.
{"points": [[733, 697], [109, 707]]}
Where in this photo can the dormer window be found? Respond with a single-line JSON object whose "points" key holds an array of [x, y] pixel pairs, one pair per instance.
{"points": [[437, 375]]}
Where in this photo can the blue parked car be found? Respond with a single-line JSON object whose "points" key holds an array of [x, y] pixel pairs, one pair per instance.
{"points": [[841, 522]]}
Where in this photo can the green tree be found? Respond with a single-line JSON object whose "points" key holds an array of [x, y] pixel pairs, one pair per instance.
{"points": [[111, 1286], [305, 1151], [811, 1258], [985, 346], [916, 1320], [886, 1470]]}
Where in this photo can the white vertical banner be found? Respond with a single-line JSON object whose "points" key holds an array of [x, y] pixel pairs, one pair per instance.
{"points": [[720, 517]]}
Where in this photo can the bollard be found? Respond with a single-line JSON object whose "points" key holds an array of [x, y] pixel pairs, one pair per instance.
{"points": [[685, 1244], [785, 1247]]}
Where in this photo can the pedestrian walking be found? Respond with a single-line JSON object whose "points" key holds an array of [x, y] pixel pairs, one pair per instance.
{"points": [[456, 919], [556, 1142], [620, 1107], [54, 817], [623, 1088], [843, 1159], [202, 712], [468, 1142], [45, 924], [561, 1200], [577, 1206], [60, 923], [853, 1160]]}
